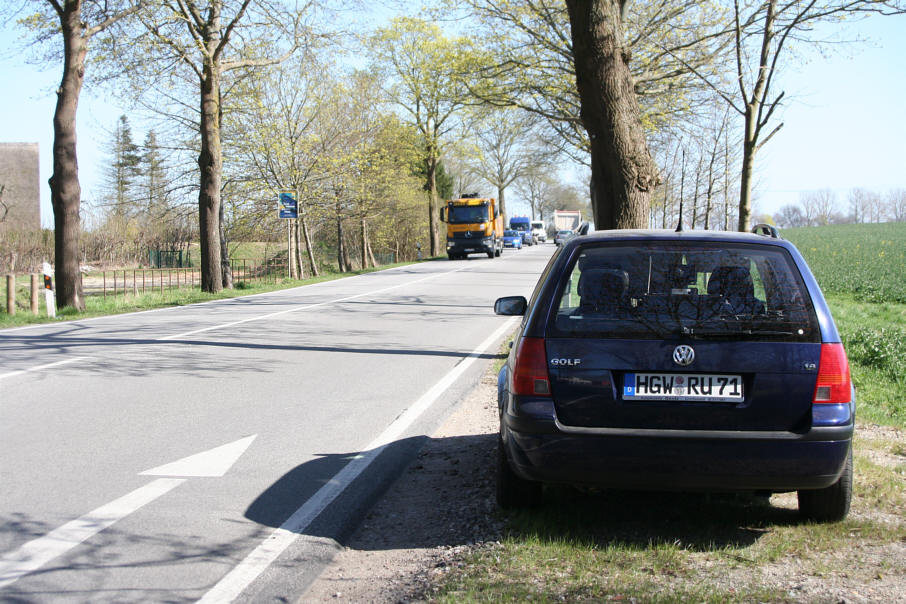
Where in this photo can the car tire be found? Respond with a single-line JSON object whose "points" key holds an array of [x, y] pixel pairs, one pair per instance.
{"points": [[513, 491], [829, 504]]}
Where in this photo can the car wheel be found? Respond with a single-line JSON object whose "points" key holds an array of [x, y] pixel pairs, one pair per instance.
{"points": [[831, 503], [513, 491]]}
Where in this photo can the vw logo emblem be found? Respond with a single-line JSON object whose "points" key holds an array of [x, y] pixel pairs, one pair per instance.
{"points": [[683, 355]]}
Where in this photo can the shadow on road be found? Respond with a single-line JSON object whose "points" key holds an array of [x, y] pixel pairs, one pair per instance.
{"points": [[445, 497]]}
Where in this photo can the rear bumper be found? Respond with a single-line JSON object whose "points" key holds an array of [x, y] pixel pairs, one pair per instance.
{"points": [[544, 450], [470, 246]]}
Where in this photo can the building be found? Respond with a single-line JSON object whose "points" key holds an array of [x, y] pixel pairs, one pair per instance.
{"points": [[20, 205]]}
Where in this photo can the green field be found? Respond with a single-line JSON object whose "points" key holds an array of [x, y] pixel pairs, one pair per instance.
{"points": [[864, 261]]}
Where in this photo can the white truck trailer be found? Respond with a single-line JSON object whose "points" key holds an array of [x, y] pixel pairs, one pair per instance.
{"points": [[567, 220]]}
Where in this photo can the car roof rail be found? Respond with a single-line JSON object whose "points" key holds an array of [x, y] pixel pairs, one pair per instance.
{"points": [[768, 230]]}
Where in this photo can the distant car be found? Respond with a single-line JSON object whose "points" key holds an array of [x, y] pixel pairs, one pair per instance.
{"points": [[528, 238], [512, 239], [690, 361], [539, 231], [563, 236]]}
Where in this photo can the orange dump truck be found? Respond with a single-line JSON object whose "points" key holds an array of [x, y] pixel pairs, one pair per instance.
{"points": [[474, 226]]}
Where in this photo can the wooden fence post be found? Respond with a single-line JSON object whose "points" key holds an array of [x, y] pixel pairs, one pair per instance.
{"points": [[34, 294], [11, 294]]}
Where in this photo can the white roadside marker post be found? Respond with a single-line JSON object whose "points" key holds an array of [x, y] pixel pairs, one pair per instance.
{"points": [[49, 299]]}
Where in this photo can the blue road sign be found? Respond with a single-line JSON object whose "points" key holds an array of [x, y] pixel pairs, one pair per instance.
{"points": [[287, 205]]}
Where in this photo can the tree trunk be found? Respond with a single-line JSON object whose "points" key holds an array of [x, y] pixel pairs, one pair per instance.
{"points": [[347, 262], [666, 199], [364, 230], [501, 205], [623, 172], [342, 256], [709, 193], [297, 249], [371, 255], [311, 254], [748, 168], [210, 165], [726, 184], [698, 178], [432, 202], [225, 269], [65, 190]]}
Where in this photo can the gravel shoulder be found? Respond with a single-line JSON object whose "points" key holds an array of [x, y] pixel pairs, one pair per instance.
{"points": [[440, 506]]}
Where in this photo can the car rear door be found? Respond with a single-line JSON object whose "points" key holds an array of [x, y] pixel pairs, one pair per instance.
{"points": [[635, 345]]}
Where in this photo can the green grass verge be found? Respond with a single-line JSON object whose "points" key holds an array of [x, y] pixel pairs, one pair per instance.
{"points": [[654, 547], [874, 335], [96, 306]]}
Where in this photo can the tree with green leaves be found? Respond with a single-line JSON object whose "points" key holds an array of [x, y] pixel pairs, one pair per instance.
{"points": [[64, 29], [123, 171], [210, 39], [424, 69]]}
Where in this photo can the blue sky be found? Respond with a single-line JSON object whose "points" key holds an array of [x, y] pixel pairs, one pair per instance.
{"points": [[844, 125]]}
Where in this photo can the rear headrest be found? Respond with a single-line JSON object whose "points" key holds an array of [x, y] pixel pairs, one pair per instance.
{"points": [[730, 281], [597, 285]]}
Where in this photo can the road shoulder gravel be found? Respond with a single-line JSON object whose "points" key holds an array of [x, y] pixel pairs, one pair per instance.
{"points": [[442, 505]]}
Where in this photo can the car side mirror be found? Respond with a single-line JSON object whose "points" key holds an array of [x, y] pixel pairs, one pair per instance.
{"points": [[511, 306]]}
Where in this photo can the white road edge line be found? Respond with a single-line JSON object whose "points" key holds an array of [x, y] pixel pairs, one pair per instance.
{"points": [[306, 307], [234, 582], [38, 552], [41, 367]]}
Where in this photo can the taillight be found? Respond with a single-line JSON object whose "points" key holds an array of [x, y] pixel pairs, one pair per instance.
{"points": [[834, 384], [530, 374]]}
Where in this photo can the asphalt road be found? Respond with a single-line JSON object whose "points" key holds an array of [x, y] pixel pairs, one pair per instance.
{"points": [[219, 451]]}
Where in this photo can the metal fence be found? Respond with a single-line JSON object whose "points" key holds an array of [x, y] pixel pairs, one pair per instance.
{"points": [[268, 271], [138, 281], [122, 282]]}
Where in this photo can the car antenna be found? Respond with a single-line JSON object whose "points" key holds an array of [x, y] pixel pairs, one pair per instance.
{"points": [[679, 225]]}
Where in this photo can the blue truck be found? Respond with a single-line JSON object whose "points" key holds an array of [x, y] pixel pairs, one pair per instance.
{"points": [[523, 224]]}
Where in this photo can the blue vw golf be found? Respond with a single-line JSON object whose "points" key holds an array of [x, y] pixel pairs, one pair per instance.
{"points": [[693, 360]]}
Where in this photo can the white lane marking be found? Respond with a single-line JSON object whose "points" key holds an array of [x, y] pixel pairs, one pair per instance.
{"points": [[306, 307], [234, 582], [38, 552], [41, 367], [211, 464]]}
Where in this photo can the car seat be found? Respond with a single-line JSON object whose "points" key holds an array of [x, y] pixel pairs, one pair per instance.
{"points": [[603, 290], [734, 285]]}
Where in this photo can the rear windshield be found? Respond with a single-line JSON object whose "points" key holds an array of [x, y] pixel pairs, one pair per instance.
{"points": [[688, 289]]}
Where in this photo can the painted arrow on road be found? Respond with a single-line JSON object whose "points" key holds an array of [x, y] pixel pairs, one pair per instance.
{"points": [[36, 553]]}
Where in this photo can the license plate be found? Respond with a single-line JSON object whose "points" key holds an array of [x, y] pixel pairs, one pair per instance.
{"points": [[469, 249], [682, 387]]}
